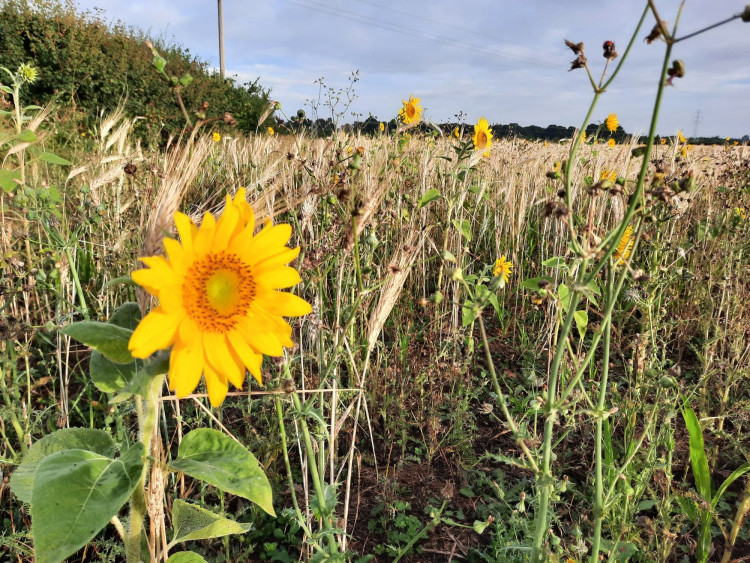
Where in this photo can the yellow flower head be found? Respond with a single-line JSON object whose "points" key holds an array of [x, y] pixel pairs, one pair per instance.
{"points": [[411, 112], [502, 268], [456, 133], [556, 166], [736, 143], [216, 137], [680, 137], [271, 131], [583, 136], [610, 175], [663, 141], [220, 308], [382, 126], [612, 122], [611, 142], [27, 73], [545, 143], [482, 136], [684, 151], [741, 212], [626, 245]]}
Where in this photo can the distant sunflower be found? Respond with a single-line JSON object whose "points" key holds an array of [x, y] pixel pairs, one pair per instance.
{"points": [[680, 137], [381, 126], [482, 136], [219, 305], [612, 122], [216, 137], [456, 133], [625, 246], [611, 142], [411, 112], [502, 268], [271, 131]]}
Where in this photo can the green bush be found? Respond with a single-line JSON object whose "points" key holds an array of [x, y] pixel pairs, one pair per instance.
{"points": [[87, 65]]}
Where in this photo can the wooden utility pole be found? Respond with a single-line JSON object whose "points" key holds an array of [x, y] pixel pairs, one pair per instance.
{"points": [[221, 39]]}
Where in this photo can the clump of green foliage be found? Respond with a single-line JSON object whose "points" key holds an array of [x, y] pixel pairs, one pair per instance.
{"points": [[87, 64]]}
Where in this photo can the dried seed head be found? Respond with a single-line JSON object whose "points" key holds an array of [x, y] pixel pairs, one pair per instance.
{"points": [[580, 62], [577, 48], [654, 34], [609, 50]]}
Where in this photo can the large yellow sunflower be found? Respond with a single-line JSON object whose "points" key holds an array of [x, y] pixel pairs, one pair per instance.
{"points": [[219, 305], [502, 268], [411, 112], [612, 122], [482, 136]]}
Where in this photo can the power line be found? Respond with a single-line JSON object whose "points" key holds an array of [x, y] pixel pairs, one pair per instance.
{"points": [[405, 30], [442, 24]]}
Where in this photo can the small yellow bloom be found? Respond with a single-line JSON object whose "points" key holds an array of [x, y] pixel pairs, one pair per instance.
{"points": [[411, 112], [556, 166], [216, 137], [502, 268], [663, 141], [220, 305], [486, 154], [611, 142], [741, 212], [456, 133], [583, 136], [545, 143], [382, 126], [612, 122], [349, 150], [610, 175], [271, 131], [736, 143], [684, 151], [482, 136], [626, 244], [680, 136]]}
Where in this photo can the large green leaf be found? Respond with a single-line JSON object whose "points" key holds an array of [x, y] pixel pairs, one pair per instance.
{"points": [[430, 195], [76, 493], [108, 339], [54, 159], [109, 376], [192, 522], [64, 439], [216, 458], [127, 315], [8, 179], [186, 557]]}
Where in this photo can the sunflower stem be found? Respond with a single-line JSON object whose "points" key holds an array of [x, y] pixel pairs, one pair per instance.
{"points": [[148, 408]]}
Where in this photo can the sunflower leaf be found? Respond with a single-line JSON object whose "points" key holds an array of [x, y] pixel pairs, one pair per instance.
{"points": [[108, 339], [192, 522], [98, 441], [217, 459], [75, 494]]}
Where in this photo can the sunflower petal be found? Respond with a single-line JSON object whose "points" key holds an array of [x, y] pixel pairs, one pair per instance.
{"points": [[226, 225], [249, 357], [284, 304], [205, 237], [187, 231], [185, 369], [281, 277], [280, 259], [256, 334], [221, 360], [155, 332], [216, 385], [176, 254]]}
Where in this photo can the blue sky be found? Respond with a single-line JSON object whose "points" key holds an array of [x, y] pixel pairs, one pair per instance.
{"points": [[502, 60]]}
